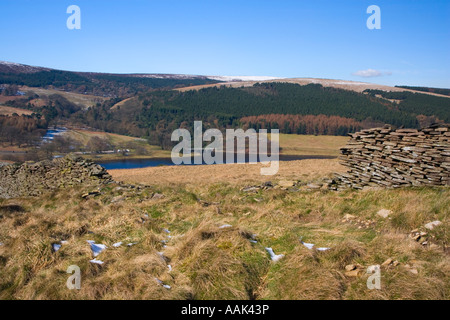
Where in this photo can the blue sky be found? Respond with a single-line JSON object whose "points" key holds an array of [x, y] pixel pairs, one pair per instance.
{"points": [[283, 38]]}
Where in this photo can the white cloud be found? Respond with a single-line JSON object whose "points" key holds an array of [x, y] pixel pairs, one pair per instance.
{"points": [[369, 73]]}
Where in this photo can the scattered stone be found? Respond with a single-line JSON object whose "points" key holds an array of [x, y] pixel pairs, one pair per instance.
{"points": [[117, 199], [350, 267], [413, 271], [286, 184], [203, 203], [388, 262], [325, 186], [384, 213], [268, 184], [431, 225], [90, 194], [157, 196], [416, 237], [434, 246], [250, 189], [353, 273]]}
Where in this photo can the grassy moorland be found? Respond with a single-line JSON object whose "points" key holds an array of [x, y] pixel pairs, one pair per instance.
{"points": [[8, 111], [211, 220], [300, 145]]}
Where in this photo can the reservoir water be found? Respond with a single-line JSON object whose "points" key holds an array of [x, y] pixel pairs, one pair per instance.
{"points": [[155, 162]]}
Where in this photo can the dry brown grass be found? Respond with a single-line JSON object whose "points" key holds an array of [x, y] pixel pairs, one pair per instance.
{"points": [[209, 262], [293, 144], [8, 111], [228, 173], [84, 100]]}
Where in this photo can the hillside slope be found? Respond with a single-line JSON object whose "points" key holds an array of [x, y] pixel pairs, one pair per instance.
{"points": [[340, 84], [180, 239]]}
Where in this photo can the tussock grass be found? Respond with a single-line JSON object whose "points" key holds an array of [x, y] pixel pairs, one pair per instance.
{"points": [[210, 262]]}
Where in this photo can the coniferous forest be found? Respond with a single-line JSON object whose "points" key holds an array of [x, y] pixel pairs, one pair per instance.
{"points": [[310, 109]]}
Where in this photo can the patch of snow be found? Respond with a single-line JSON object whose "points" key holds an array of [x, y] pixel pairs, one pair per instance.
{"points": [[11, 63], [274, 256], [162, 283], [95, 261], [96, 247], [242, 78], [310, 246]]}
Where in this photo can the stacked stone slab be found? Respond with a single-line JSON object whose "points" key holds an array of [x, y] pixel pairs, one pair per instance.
{"points": [[396, 158], [34, 179]]}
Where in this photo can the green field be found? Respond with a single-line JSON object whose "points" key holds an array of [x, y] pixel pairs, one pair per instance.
{"points": [[292, 144]]}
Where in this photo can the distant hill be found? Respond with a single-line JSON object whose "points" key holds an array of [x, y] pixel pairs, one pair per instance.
{"points": [[292, 108], [100, 84], [442, 91], [127, 85], [355, 86], [16, 68]]}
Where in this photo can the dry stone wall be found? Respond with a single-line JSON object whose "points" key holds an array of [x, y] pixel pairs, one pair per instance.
{"points": [[395, 158], [33, 179]]}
